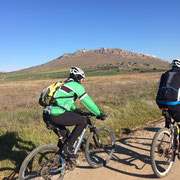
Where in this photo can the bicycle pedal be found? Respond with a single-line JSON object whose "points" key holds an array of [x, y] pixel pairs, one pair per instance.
{"points": [[72, 161], [71, 165]]}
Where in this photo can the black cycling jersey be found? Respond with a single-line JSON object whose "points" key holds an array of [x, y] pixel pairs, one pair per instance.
{"points": [[169, 88]]}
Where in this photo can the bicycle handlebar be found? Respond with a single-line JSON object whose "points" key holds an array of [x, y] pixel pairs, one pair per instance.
{"points": [[88, 114]]}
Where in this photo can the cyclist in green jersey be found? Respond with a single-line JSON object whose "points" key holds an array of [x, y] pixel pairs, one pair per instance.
{"points": [[64, 113]]}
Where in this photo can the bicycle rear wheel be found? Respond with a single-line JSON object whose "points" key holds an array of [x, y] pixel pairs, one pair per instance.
{"points": [[162, 153], [43, 163], [99, 147]]}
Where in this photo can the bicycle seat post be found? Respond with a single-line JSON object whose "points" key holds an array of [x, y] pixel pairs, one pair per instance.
{"points": [[167, 116]]}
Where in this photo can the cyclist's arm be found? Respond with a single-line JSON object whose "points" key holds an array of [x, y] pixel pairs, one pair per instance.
{"points": [[90, 105], [159, 84], [84, 98], [73, 107], [87, 101]]}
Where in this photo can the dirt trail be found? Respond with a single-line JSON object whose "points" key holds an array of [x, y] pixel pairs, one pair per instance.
{"points": [[131, 160]]}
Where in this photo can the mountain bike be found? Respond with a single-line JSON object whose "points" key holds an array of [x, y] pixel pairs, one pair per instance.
{"points": [[165, 146], [47, 162]]}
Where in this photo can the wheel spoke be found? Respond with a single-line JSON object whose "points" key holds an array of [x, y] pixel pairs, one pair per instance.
{"points": [[99, 148], [162, 153], [42, 163]]}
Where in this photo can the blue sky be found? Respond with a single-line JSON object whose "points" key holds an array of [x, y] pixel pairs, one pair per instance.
{"points": [[33, 32]]}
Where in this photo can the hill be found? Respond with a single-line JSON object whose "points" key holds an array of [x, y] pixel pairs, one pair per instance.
{"points": [[100, 58], [94, 62]]}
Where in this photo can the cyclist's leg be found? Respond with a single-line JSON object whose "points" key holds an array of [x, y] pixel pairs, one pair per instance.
{"points": [[174, 111], [71, 119], [62, 129], [167, 117], [64, 133]]}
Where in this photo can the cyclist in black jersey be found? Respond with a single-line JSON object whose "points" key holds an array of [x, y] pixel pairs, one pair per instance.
{"points": [[168, 95], [64, 113]]}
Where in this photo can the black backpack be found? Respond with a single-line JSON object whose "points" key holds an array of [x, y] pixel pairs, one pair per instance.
{"points": [[169, 86]]}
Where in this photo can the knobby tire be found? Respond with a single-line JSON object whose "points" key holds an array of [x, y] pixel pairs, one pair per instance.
{"points": [[99, 154], [161, 150], [52, 163]]}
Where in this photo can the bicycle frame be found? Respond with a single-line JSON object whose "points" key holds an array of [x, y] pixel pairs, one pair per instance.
{"points": [[176, 137], [59, 169], [56, 161], [79, 140], [174, 127], [81, 137]]}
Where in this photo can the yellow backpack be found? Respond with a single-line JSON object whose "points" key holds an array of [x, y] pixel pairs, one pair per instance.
{"points": [[47, 95]]}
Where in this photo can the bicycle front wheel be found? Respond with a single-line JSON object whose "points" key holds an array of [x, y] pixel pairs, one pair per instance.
{"points": [[43, 163], [99, 147], [162, 152]]}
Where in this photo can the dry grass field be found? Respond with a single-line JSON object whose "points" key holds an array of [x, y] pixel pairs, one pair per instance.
{"points": [[127, 99], [25, 94]]}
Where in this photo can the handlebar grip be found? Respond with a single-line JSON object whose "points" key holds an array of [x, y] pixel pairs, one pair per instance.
{"points": [[87, 114], [101, 117]]}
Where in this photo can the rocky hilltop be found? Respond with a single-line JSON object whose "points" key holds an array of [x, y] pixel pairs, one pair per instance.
{"points": [[101, 57]]}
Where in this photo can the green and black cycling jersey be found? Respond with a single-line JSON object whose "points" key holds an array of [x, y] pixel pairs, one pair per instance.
{"points": [[65, 97]]}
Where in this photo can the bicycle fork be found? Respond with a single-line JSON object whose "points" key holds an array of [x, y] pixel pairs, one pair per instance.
{"points": [[96, 138], [177, 141]]}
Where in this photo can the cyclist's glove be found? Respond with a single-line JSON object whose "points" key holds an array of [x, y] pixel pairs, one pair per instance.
{"points": [[78, 111], [101, 116]]}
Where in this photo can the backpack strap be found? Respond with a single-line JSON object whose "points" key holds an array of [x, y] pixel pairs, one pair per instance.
{"points": [[55, 104], [63, 97], [66, 89]]}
